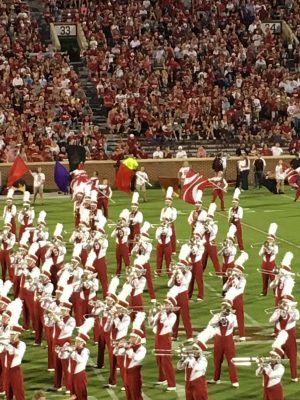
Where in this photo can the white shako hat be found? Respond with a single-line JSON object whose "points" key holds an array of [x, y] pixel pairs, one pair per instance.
{"points": [[278, 343], [84, 329], [32, 252], [7, 221], [58, 231], [5, 288], [26, 198], [184, 254], [84, 217], [64, 301], [15, 308], [199, 230], [135, 199], [211, 210], [169, 193], [77, 252], [231, 232], [172, 296], [46, 268], [286, 262], [137, 330], [272, 231], [87, 191], [24, 242], [94, 196], [112, 288], [10, 194], [240, 261], [122, 296], [42, 217], [124, 214], [199, 195], [236, 195], [204, 336], [144, 230]]}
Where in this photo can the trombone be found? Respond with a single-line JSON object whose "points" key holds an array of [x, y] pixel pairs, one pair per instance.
{"points": [[260, 361]]}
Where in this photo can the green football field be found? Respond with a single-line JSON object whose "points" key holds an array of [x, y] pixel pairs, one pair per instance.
{"points": [[260, 209]]}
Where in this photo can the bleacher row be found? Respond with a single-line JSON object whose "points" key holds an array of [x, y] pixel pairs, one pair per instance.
{"points": [[172, 73]]}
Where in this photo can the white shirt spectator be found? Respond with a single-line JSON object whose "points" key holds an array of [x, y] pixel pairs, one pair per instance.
{"points": [[158, 154], [276, 151], [17, 81], [135, 43], [279, 174], [2, 118], [38, 178], [141, 178], [181, 153]]}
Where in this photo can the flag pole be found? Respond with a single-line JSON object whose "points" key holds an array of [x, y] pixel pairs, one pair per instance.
{"points": [[144, 180], [106, 196], [216, 186]]}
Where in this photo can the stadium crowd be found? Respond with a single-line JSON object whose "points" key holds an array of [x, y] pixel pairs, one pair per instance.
{"points": [[164, 70]]}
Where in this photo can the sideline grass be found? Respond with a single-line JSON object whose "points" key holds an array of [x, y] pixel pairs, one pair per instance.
{"points": [[261, 208]]}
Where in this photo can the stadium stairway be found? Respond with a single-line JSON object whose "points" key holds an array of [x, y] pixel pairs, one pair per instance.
{"points": [[91, 94], [37, 11]]}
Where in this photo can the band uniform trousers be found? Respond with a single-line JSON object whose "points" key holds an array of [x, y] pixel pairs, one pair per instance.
{"points": [[224, 346], [183, 302], [163, 344], [134, 231], [100, 266], [211, 251], [122, 253], [137, 305], [103, 340], [102, 204], [38, 317], [5, 263], [148, 276], [49, 338], [163, 251], [28, 308], [267, 278], [290, 349], [133, 383], [173, 238], [2, 372], [238, 306], [274, 392], [15, 383], [62, 375], [197, 274], [196, 389], [239, 234], [218, 193]]}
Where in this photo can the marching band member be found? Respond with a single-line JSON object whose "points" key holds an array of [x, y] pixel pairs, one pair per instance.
{"points": [[77, 198], [121, 233], [181, 278], [10, 209], [18, 262], [198, 216], [14, 352], [7, 308], [170, 213], [220, 187], [144, 248], [273, 372], [56, 252], [7, 242], [284, 318], [163, 236], [195, 365], [51, 311], [135, 220], [41, 236], [44, 289], [224, 323], [82, 234], [235, 216], [137, 281], [88, 293], [268, 251], [196, 252], [104, 194], [118, 323], [77, 360], [62, 335], [162, 322], [96, 215], [234, 292], [284, 282], [26, 215], [97, 259], [102, 336], [210, 233], [133, 355], [229, 252], [29, 279]]}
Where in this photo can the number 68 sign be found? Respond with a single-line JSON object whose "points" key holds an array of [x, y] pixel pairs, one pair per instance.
{"points": [[66, 29]]}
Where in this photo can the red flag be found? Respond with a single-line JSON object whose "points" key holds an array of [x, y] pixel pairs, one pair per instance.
{"points": [[123, 178], [192, 183], [18, 169]]}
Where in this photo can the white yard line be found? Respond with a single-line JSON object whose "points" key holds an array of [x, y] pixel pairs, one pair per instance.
{"points": [[263, 232], [101, 379]]}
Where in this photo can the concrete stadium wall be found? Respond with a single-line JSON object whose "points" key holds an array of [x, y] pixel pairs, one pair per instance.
{"points": [[154, 168]]}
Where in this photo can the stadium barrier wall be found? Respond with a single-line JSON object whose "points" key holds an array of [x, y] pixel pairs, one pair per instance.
{"points": [[154, 168]]}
